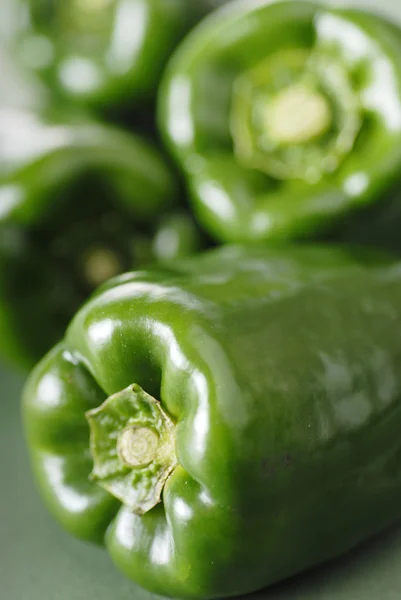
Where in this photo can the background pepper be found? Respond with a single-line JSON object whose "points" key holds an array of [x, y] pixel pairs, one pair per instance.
{"points": [[285, 117], [103, 53], [275, 445], [79, 202], [377, 226]]}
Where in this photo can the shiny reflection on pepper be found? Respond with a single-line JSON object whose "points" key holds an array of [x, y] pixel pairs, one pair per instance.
{"points": [[101, 332], [29, 138], [68, 497], [386, 104], [333, 29], [175, 355], [182, 510], [51, 390], [217, 200], [356, 184], [80, 75], [201, 421], [131, 22], [11, 196], [180, 98], [161, 549]]}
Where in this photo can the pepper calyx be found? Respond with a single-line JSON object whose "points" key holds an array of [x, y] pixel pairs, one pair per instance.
{"points": [[132, 443]]}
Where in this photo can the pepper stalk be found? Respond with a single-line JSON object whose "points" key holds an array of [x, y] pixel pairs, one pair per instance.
{"points": [[132, 443]]}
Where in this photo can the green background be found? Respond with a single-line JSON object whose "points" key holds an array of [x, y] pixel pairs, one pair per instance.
{"points": [[38, 561]]}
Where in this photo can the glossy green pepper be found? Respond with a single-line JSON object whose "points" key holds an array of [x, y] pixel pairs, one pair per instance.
{"points": [[103, 53], [79, 202], [285, 117], [244, 411]]}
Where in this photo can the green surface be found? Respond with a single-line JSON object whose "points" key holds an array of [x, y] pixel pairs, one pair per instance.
{"points": [[293, 120], [282, 440], [38, 561]]}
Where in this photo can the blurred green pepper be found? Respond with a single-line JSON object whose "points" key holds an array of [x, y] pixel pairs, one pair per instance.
{"points": [[285, 117], [103, 53], [79, 203]]}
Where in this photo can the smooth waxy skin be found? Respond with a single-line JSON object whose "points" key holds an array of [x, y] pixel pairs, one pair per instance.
{"points": [[245, 186], [280, 370], [104, 53], [79, 202]]}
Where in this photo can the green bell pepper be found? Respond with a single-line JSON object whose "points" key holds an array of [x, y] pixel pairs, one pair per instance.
{"points": [[103, 53], [285, 117], [79, 202], [243, 416]]}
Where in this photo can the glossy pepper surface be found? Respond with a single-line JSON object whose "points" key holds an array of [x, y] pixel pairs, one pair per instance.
{"points": [[243, 411], [103, 53], [79, 202], [285, 117]]}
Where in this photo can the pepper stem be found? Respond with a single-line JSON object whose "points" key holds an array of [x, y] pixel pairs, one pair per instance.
{"points": [[297, 115], [132, 443], [100, 264], [137, 446]]}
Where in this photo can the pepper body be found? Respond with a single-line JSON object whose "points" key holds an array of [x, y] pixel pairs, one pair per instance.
{"points": [[103, 54], [277, 372], [285, 118], [79, 203]]}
